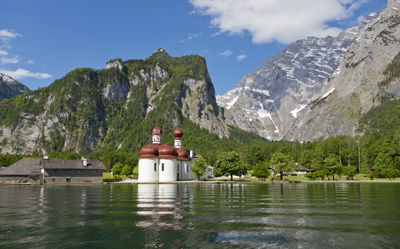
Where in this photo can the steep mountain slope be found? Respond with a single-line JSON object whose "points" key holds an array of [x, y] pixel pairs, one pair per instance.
{"points": [[10, 87], [112, 108], [368, 75], [267, 100]]}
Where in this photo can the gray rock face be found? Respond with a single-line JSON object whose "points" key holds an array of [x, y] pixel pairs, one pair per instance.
{"points": [[267, 101], [198, 103], [10, 87], [354, 88], [81, 121], [114, 64]]}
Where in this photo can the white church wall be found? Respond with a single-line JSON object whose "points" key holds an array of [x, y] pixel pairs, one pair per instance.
{"points": [[186, 170], [168, 172], [148, 170]]}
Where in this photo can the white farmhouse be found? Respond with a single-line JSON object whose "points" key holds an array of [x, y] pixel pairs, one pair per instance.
{"points": [[162, 163]]}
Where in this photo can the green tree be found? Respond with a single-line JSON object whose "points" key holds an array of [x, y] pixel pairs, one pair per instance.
{"points": [[391, 173], [199, 167], [126, 170], [135, 171], [281, 162], [384, 166], [229, 163], [261, 170], [332, 166], [254, 155], [349, 171], [117, 168]]}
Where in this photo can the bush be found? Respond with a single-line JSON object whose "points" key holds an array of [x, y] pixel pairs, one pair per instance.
{"points": [[261, 170], [126, 170]]}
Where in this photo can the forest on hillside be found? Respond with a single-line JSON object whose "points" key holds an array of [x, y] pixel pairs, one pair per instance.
{"points": [[376, 153]]}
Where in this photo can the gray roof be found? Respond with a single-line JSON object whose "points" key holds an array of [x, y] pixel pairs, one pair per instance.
{"points": [[25, 167], [72, 164], [29, 166]]}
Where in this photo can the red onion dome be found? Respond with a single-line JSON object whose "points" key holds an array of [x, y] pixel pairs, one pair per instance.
{"points": [[178, 133], [157, 130], [182, 154], [166, 151], [150, 150]]}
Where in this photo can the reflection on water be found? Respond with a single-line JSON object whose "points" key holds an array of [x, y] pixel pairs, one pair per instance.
{"points": [[201, 216], [158, 200]]}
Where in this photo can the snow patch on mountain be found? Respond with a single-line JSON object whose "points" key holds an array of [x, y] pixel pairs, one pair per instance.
{"points": [[268, 100], [297, 110]]}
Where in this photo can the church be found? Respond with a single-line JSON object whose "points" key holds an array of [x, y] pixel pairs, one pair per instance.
{"points": [[163, 163]]}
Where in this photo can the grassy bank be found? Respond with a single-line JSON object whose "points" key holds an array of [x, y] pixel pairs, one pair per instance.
{"points": [[359, 177]]}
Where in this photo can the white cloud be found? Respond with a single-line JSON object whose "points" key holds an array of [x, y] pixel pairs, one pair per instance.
{"points": [[12, 60], [30, 62], [7, 35], [241, 57], [226, 53], [3, 53], [216, 34], [360, 19], [271, 20], [190, 37], [23, 73]]}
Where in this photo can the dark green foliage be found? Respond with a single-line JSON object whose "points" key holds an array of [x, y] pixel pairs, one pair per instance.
{"points": [[135, 171], [117, 168], [111, 158], [281, 162], [229, 163], [126, 170], [349, 171], [7, 160], [199, 167], [254, 155], [261, 170], [383, 120], [332, 166]]}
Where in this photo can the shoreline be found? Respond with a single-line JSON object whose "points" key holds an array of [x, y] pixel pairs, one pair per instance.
{"points": [[260, 182], [210, 182]]}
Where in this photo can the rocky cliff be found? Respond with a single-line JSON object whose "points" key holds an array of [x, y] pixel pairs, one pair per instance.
{"points": [[267, 101], [9, 87], [367, 75], [320, 87], [112, 108]]}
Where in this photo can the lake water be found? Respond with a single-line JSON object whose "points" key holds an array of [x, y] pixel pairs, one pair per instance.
{"points": [[275, 215]]}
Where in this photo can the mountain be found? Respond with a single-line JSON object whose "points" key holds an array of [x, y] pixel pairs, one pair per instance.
{"points": [[367, 77], [268, 100], [320, 87], [10, 87], [116, 108]]}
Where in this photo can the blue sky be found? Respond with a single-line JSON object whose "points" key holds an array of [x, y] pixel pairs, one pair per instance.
{"points": [[41, 41]]}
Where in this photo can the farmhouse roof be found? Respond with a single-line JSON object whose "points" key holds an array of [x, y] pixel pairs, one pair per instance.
{"points": [[28, 166]]}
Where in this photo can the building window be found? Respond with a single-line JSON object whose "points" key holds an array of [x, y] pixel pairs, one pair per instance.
{"points": [[68, 179], [162, 167], [53, 179], [187, 168], [155, 167]]}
